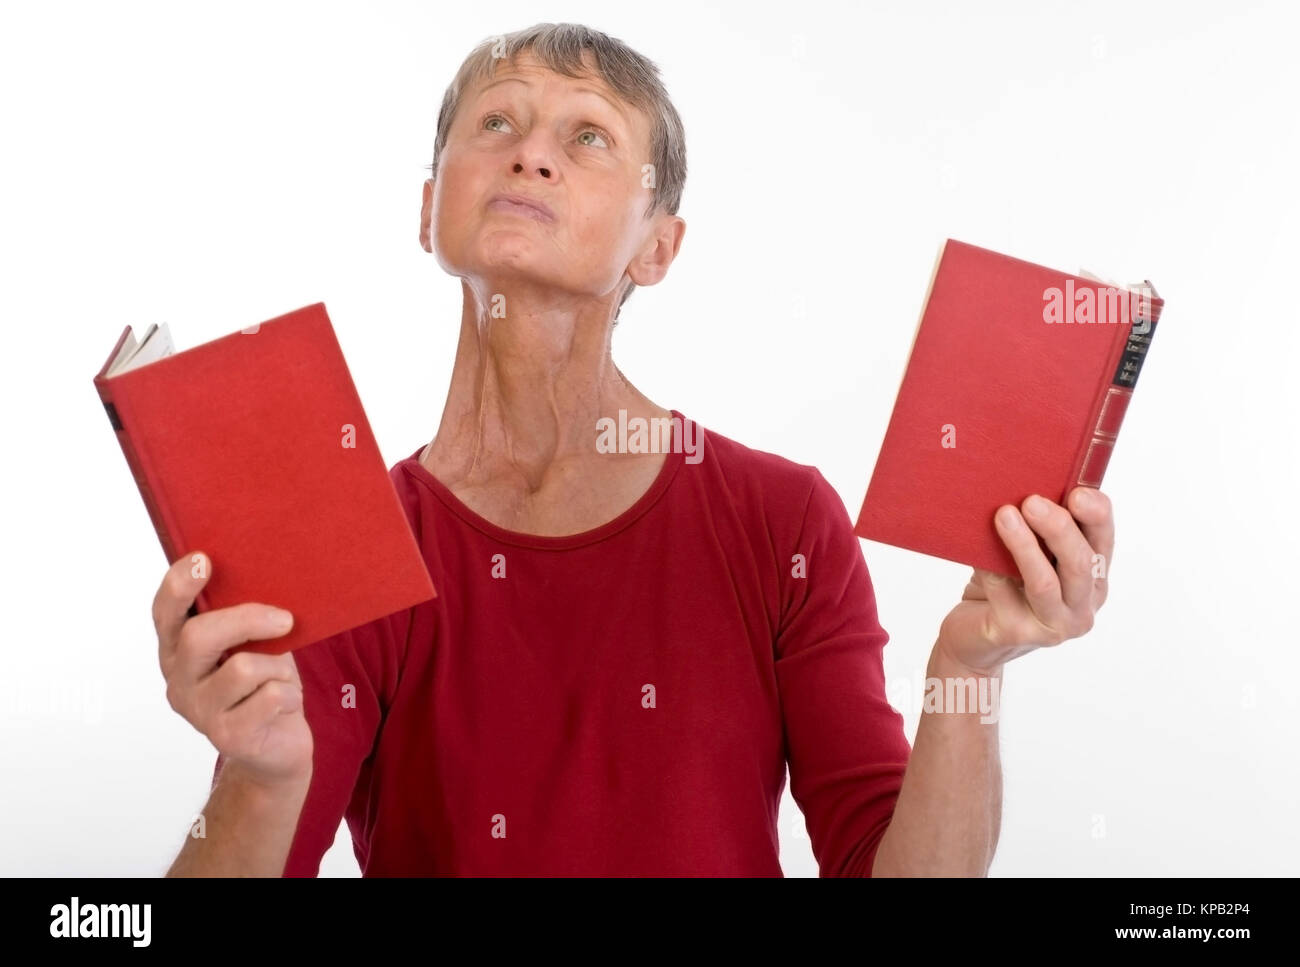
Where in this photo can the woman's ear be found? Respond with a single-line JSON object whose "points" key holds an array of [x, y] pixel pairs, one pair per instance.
{"points": [[426, 213], [651, 263]]}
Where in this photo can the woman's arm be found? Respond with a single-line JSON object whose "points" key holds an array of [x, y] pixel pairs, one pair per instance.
{"points": [[949, 809]]}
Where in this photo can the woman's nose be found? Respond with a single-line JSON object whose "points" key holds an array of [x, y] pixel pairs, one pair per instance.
{"points": [[544, 172]]}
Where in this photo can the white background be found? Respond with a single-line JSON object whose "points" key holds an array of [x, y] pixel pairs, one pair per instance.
{"points": [[215, 165]]}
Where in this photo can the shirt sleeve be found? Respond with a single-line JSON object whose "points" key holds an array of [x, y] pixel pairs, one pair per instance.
{"points": [[845, 745], [348, 681]]}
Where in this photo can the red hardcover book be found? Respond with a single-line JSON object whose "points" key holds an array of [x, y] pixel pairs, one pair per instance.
{"points": [[254, 448], [1018, 381]]}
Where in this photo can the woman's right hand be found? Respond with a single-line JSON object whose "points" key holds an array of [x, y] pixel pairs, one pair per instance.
{"points": [[249, 705]]}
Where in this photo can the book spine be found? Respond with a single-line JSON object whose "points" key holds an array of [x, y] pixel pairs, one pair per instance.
{"points": [[1108, 412], [165, 535]]}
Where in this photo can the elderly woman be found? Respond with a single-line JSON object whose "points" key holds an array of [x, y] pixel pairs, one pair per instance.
{"points": [[640, 623]]}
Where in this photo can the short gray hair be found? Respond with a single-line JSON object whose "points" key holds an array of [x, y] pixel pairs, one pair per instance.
{"points": [[630, 75]]}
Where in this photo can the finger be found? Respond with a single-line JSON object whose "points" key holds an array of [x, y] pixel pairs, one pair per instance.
{"points": [[1042, 588], [241, 676], [1072, 550], [204, 638], [1095, 514], [180, 585]]}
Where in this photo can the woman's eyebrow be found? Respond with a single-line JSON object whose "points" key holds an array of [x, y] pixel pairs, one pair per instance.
{"points": [[577, 90]]}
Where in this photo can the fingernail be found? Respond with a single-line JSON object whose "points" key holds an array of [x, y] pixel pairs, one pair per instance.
{"points": [[1008, 518], [281, 618], [1036, 506]]}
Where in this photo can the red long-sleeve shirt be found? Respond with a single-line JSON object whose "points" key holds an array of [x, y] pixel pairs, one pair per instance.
{"points": [[618, 702]]}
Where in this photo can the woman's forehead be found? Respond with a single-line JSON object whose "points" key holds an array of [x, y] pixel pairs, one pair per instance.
{"points": [[528, 70]]}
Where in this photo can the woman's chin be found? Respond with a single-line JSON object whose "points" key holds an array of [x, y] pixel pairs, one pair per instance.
{"points": [[512, 263]]}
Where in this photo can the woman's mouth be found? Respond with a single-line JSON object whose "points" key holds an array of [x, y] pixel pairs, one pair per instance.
{"points": [[521, 205]]}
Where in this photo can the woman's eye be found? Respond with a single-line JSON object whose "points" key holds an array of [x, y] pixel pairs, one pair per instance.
{"points": [[600, 142]]}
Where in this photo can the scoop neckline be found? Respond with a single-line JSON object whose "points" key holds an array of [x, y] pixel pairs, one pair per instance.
{"points": [[673, 461]]}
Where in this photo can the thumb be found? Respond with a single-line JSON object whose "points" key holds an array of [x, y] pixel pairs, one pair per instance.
{"points": [[200, 570]]}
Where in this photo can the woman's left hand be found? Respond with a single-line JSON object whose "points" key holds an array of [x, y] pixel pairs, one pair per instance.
{"points": [[1001, 618]]}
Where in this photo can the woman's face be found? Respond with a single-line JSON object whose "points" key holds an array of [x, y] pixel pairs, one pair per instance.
{"points": [[567, 143]]}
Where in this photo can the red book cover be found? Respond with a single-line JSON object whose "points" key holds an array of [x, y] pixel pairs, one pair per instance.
{"points": [[1017, 383], [254, 448]]}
